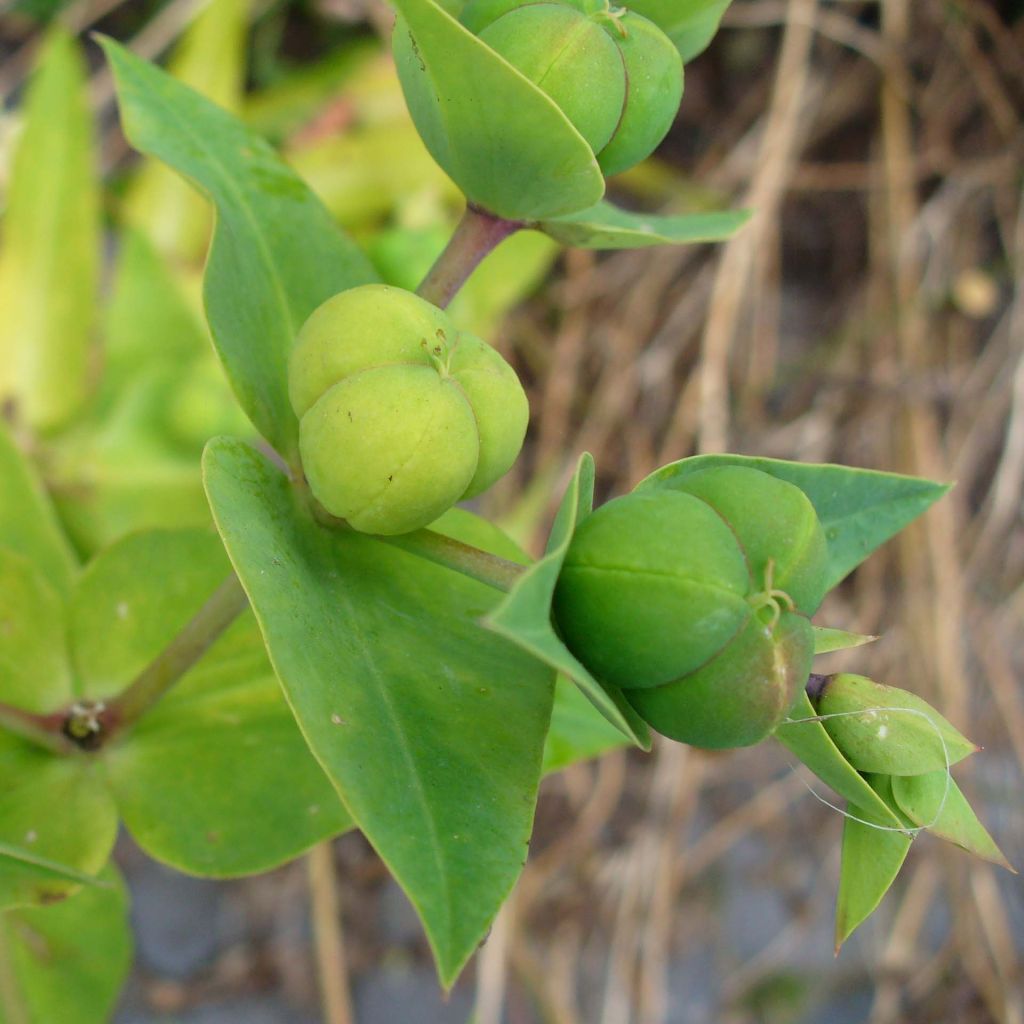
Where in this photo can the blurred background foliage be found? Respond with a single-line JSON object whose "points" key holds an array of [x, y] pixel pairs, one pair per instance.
{"points": [[872, 313]]}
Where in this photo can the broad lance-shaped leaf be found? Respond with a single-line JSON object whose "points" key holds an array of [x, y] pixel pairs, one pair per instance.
{"points": [[886, 730], [935, 802], [871, 860], [524, 616], [210, 59], [66, 963], [49, 260], [806, 738], [502, 140], [859, 509], [578, 730], [605, 226], [431, 728], [275, 256], [28, 524], [827, 640]]}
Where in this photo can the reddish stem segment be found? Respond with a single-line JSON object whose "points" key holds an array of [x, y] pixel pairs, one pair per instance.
{"points": [[476, 235]]}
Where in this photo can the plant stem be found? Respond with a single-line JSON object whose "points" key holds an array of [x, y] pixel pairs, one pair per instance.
{"points": [[476, 235], [328, 938], [476, 563], [220, 611], [42, 730]]}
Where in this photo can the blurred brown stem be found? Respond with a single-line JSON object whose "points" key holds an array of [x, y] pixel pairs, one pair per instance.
{"points": [[328, 938], [476, 235]]}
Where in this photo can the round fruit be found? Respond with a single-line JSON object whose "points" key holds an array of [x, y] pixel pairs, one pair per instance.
{"points": [[401, 414], [615, 75], [679, 599]]}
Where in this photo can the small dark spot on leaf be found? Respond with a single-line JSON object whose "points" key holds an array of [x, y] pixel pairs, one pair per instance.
{"points": [[213, 837]]}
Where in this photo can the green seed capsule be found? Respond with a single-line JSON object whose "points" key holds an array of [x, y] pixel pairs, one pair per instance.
{"points": [[572, 58], [741, 695], [775, 523], [654, 78], [668, 598], [653, 586], [401, 415], [615, 75]]}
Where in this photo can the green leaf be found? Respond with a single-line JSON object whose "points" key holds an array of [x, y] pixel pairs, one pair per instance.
{"points": [[827, 640], [28, 524], [431, 728], [57, 809], [216, 779], [935, 802], [49, 263], [34, 673], [524, 616], [275, 256], [134, 598], [502, 140], [110, 483], [211, 60], [885, 730], [578, 730], [859, 509], [690, 24], [605, 226], [66, 963], [43, 866], [806, 738], [871, 859]]}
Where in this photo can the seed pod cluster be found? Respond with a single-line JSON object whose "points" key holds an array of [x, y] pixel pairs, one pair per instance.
{"points": [[401, 414], [695, 602], [614, 74]]}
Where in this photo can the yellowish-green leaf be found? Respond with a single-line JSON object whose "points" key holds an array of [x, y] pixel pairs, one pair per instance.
{"points": [[66, 963], [56, 808], [34, 672], [49, 251], [28, 523]]}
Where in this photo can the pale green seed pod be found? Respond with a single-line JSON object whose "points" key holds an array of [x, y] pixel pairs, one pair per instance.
{"points": [[401, 415]]}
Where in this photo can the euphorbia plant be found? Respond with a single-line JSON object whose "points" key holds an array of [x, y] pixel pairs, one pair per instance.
{"points": [[349, 650]]}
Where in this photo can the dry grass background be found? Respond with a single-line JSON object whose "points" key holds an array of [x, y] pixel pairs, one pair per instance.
{"points": [[872, 313]]}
